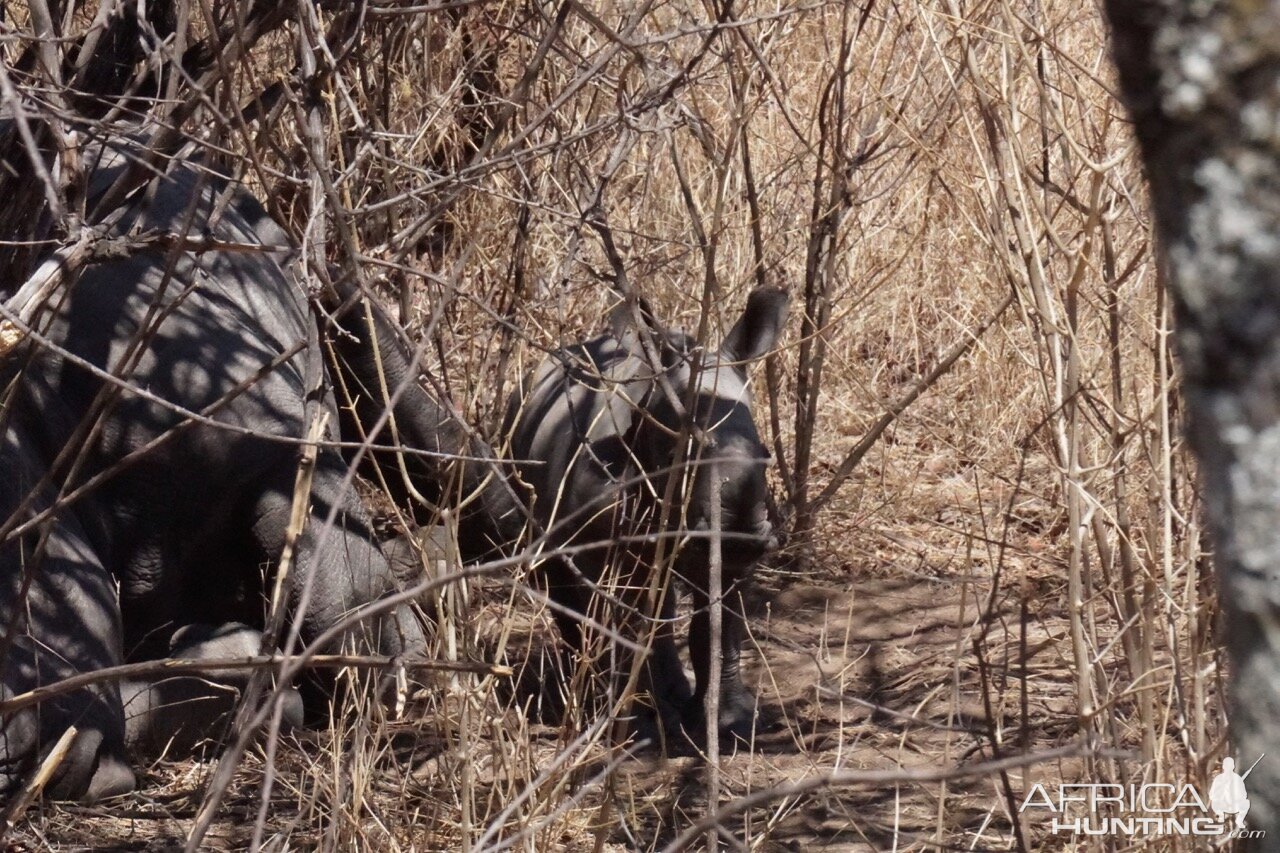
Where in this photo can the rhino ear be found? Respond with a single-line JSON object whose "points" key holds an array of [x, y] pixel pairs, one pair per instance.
{"points": [[628, 317], [759, 326]]}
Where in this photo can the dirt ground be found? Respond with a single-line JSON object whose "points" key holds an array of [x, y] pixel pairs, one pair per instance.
{"points": [[925, 640], [857, 670]]}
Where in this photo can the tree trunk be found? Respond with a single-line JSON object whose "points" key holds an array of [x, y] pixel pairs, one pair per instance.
{"points": [[1202, 81]]}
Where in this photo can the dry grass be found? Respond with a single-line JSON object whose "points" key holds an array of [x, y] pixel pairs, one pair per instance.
{"points": [[1016, 565]]}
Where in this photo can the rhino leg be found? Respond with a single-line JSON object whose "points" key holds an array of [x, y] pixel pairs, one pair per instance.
{"points": [[68, 623], [180, 713], [94, 767], [90, 771], [93, 771], [572, 601], [737, 703], [664, 691], [567, 590], [338, 571], [665, 675], [428, 554], [19, 735]]}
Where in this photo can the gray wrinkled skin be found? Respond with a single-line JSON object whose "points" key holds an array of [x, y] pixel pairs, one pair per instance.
{"points": [[180, 713], [70, 624], [599, 439], [181, 535]]}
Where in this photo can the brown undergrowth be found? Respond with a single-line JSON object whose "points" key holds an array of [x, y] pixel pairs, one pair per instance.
{"points": [[1013, 567]]}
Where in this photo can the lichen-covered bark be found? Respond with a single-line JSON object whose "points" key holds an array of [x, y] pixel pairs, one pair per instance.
{"points": [[1202, 81]]}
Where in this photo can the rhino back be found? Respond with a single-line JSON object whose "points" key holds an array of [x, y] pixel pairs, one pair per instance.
{"points": [[202, 332], [571, 429]]}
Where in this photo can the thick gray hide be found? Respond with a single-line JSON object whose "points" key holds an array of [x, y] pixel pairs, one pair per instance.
{"points": [[186, 529], [598, 433], [179, 713], [377, 367], [70, 623], [428, 556]]}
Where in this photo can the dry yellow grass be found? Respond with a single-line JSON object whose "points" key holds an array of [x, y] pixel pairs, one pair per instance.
{"points": [[1017, 564]]}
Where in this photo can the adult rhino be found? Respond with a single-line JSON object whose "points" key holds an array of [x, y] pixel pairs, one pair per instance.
{"points": [[180, 381], [620, 437]]}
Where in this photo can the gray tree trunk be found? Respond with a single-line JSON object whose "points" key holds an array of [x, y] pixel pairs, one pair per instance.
{"points": [[1202, 81]]}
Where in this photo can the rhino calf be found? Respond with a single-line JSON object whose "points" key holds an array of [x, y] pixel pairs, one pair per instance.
{"points": [[619, 437]]}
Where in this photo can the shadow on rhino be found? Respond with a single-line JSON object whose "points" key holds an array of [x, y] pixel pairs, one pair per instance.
{"points": [[150, 433], [151, 426], [647, 472]]}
